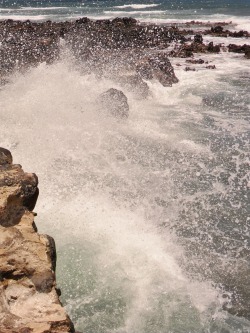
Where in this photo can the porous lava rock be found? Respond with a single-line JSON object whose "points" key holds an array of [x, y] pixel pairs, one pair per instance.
{"points": [[134, 83], [28, 296], [157, 66], [247, 54], [101, 46], [195, 61], [114, 103], [239, 49]]}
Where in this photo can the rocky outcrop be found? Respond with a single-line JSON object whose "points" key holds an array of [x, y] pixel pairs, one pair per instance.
{"points": [[115, 103], [103, 47], [240, 49], [29, 300], [197, 46], [122, 49], [219, 31]]}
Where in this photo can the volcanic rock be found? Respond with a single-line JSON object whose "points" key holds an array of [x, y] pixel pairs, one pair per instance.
{"points": [[247, 54], [238, 48], [157, 66], [135, 84], [198, 39], [28, 296], [115, 103], [217, 29], [195, 61], [213, 48], [126, 21], [211, 67], [188, 69], [99, 46]]}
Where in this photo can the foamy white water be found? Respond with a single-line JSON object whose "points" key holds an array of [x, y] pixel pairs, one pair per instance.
{"points": [[42, 8], [113, 193], [137, 6], [26, 17], [137, 12]]}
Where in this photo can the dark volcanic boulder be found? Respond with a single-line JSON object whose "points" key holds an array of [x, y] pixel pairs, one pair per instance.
{"points": [[115, 103], [217, 29], [239, 48], [195, 61], [157, 66], [247, 53], [184, 51], [198, 39], [135, 84], [127, 21], [162, 69], [213, 48]]}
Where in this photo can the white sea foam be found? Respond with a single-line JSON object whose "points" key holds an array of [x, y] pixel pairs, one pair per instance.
{"points": [[143, 12], [242, 23], [41, 8], [235, 22], [27, 17], [6, 9], [137, 6]]}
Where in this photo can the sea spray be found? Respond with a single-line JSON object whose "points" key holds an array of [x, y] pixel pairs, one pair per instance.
{"points": [[128, 274], [114, 194]]}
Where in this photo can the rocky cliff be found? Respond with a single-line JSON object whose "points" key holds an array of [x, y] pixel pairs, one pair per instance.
{"points": [[29, 299]]}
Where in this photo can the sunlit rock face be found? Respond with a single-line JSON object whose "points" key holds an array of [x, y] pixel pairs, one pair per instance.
{"points": [[28, 296]]}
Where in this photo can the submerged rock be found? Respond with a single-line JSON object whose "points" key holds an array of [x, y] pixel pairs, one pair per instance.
{"points": [[115, 103], [28, 297]]}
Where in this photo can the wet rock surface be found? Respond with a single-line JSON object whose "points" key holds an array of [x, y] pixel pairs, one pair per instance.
{"points": [[28, 297], [110, 47], [104, 47], [219, 31], [114, 103]]}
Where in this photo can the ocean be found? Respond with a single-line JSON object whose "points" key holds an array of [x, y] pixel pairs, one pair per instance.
{"points": [[151, 216], [157, 11]]}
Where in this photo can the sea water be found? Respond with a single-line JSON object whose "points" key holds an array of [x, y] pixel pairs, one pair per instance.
{"points": [[150, 215], [158, 11]]}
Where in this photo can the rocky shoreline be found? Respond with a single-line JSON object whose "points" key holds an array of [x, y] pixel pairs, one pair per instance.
{"points": [[122, 49], [29, 299]]}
